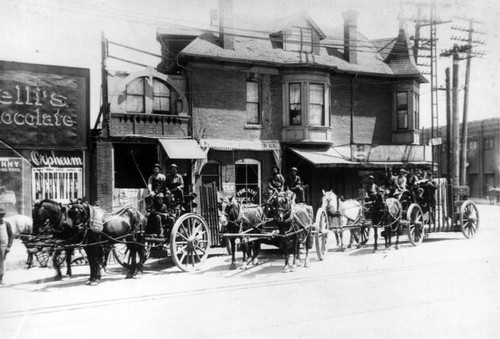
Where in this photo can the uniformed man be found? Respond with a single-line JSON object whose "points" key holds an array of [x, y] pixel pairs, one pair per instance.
{"points": [[175, 184], [156, 181], [294, 184], [6, 239], [277, 181]]}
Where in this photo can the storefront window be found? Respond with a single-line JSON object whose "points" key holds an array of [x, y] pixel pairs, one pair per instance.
{"points": [[211, 173], [248, 181], [59, 184]]}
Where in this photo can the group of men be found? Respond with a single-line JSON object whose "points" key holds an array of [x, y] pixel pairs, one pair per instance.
{"points": [[394, 185], [277, 183]]}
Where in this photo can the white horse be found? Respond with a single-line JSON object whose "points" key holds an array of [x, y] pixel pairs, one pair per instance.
{"points": [[20, 224], [344, 213]]}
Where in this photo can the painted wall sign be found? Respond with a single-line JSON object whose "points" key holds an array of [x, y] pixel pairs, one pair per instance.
{"points": [[53, 159], [43, 105], [11, 184]]}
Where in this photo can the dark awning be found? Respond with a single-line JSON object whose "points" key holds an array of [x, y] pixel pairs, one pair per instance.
{"points": [[182, 149]]}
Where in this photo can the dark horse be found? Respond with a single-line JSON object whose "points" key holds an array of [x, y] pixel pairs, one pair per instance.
{"points": [[294, 223], [50, 227], [386, 213], [243, 219], [124, 226]]}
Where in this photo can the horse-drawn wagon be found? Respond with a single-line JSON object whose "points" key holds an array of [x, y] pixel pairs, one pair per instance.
{"points": [[280, 222]]}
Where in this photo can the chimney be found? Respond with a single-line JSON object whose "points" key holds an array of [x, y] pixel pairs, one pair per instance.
{"points": [[225, 22], [351, 36]]}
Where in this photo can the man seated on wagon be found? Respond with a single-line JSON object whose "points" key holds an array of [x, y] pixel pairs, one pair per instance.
{"points": [[294, 184], [371, 189], [156, 184], [401, 182], [277, 182], [175, 184], [158, 214]]}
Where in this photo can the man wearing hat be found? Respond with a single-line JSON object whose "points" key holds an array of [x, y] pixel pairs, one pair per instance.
{"points": [[277, 181], [6, 239], [371, 189], [175, 183], [294, 184], [401, 181], [157, 216], [156, 181]]}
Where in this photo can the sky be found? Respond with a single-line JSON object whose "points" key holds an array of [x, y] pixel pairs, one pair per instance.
{"points": [[68, 33]]}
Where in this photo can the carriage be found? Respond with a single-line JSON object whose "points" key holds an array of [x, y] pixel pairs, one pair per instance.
{"points": [[280, 222], [427, 210], [189, 237]]}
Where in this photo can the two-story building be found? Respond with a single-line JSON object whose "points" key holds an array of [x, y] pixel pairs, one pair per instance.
{"points": [[227, 105]]}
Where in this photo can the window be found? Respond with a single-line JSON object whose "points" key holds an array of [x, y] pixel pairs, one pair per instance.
{"points": [[295, 104], [316, 105], [416, 111], [59, 184], [135, 96], [402, 110], [299, 39], [211, 173], [253, 100], [248, 181], [161, 97], [489, 143], [472, 145]]}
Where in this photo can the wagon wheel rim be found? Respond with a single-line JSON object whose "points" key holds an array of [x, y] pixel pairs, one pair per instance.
{"points": [[189, 242], [416, 226], [43, 258], [321, 234], [469, 219]]}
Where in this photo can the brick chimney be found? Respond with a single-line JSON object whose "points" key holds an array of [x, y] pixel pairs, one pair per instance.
{"points": [[225, 22], [351, 36]]}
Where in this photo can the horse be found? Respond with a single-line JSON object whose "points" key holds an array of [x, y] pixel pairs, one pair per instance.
{"points": [[125, 225], [243, 219], [293, 221], [22, 228], [49, 225], [386, 213], [348, 212]]}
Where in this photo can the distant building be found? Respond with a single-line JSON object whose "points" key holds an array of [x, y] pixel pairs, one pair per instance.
{"points": [[483, 154]]}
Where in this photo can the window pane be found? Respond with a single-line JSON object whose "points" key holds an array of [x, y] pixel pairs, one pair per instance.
{"points": [[402, 119], [160, 88], [402, 101], [252, 113], [317, 96], [161, 104], [136, 87], [135, 103], [252, 91], [306, 40], [295, 106], [316, 115]]}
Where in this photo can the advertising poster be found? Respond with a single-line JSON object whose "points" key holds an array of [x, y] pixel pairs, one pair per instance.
{"points": [[11, 184]]}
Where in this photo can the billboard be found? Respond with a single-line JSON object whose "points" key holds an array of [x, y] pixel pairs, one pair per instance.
{"points": [[43, 106]]}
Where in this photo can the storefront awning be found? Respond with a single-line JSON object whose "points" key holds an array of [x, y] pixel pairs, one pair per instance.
{"points": [[341, 157], [182, 149], [325, 158], [248, 145]]}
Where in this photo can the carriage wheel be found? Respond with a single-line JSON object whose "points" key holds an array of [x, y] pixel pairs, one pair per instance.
{"points": [[189, 242], [81, 259], [122, 254], [364, 233], [469, 219], [416, 227], [321, 234]]}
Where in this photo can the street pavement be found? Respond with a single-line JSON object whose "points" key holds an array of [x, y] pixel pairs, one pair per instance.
{"points": [[447, 287]]}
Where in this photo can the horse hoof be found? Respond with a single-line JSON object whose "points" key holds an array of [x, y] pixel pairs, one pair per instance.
{"points": [[95, 283], [397, 247], [359, 246], [88, 282], [232, 266], [66, 278], [375, 250], [129, 276], [256, 262], [58, 278]]}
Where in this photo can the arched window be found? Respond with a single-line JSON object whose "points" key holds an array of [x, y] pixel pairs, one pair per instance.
{"points": [[151, 95]]}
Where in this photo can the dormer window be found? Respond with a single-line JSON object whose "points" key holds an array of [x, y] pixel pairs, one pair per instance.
{"points": [[406, 115], [299, 39]]}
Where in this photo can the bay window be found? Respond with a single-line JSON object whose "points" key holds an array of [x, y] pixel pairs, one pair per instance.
{"points": [[253, 102], [317, 104], [295, 104], [402, 110]]}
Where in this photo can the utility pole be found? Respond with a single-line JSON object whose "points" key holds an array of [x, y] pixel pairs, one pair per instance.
{"points": [[468, 48]]}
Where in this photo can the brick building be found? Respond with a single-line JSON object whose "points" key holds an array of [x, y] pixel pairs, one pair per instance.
{"points": [[483, 155], [332, 103]]}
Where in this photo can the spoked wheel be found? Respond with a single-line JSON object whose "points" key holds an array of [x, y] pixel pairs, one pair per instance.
{"points": [[416, 226], [80, 257], [469, 219], [364, 232], [189, 242], [43, 258], [122, 254], [321, 233]]}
